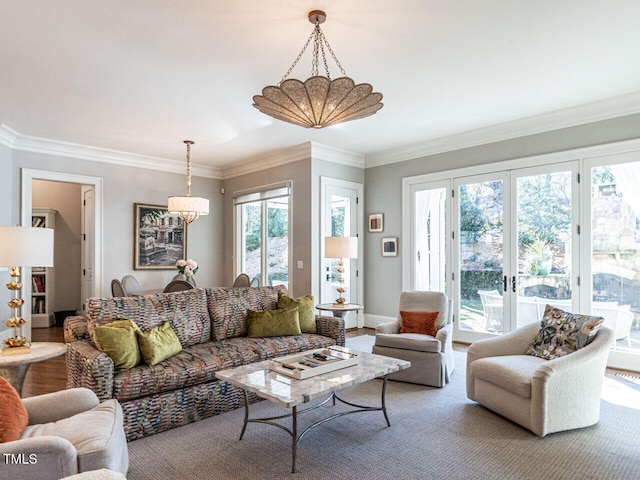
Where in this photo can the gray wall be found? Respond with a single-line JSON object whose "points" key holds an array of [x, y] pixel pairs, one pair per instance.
{"points": [[66, 198], [6, 219], [124, 186], [305, 228], [383, 192], [300, 174]]}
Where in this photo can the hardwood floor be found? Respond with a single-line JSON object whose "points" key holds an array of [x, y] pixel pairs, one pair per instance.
{"points": [[50, 375]]}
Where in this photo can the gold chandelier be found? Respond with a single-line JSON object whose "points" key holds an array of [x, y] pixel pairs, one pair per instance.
{"points": [[319, 101], [187, 207]]}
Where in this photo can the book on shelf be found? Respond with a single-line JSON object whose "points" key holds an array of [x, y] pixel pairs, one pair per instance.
{"points": [[37, 221]]}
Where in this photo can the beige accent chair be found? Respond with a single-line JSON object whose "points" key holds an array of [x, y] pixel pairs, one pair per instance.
{"points": [[431, 358], [543, 396], [69, 432]]}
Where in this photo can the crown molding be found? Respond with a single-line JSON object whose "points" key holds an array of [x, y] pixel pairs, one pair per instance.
{"points": [[26, 143], [336, 155], [304, 151], [570, 117]]}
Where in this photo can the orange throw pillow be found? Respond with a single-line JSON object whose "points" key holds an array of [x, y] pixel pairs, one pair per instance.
{"points": [[13, 416], [419, 322]]}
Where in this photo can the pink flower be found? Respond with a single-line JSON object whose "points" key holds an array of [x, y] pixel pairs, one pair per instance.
{"points": [[191, 264], [181, 263]]}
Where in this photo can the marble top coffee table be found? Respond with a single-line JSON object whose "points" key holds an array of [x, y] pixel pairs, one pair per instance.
{"points": [[288, 392]]}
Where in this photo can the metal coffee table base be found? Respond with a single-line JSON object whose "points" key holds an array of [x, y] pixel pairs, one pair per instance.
{"points": [[293, 431]]}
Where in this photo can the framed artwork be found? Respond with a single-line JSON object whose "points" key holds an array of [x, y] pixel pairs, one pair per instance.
{"points": [[160, 238], [390, 247], [376, 222]]}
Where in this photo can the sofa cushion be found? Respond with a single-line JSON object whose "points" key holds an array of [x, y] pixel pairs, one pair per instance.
{"points": [[273, 323], [158, 344], [562, 333], [13, 415], [190, 317], [228, 308], [192, 366], [272, 347], [118, 340], [306, 310], [409, 341], [187, 311], [511, 372]]}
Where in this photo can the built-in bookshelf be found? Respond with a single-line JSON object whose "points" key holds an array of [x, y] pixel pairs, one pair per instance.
{"points": [[42, 279]]}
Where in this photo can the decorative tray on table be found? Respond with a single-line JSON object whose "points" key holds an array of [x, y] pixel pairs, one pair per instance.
{"points": [[313, 362]]}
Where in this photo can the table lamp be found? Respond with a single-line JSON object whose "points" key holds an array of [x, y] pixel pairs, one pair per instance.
{"points": [[22, 247], [340, 247]]}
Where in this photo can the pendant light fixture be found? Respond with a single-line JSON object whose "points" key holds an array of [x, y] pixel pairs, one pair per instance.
{"points": [[319, 101], [187, 207]]}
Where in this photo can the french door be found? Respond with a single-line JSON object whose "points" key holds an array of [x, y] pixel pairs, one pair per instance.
{"points": [[515, 247]]}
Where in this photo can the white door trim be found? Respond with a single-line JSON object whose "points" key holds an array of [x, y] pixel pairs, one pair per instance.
{"points": [[28, 175]]}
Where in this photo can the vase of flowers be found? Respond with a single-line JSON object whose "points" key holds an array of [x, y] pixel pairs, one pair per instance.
{"points": [[188, 268]]}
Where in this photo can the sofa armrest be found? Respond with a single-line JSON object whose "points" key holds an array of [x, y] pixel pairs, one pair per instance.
{"points": [[90, 368], [389, 327], [332, 327], [43, 457], [76, 328], [55, 406]]}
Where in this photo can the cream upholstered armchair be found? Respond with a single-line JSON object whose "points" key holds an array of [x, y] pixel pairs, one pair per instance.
{"points": [[431, 357], [543, 396], [69, 432]]}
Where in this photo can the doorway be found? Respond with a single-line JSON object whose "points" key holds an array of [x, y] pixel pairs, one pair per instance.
{"points": [[93, 232], [341, 214]]}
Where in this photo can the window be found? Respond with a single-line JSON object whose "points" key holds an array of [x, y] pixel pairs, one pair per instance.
{"points": [[562, 230], [262, 219]]}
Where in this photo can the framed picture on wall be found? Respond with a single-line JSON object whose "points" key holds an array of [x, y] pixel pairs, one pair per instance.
{"points": [[390, 247], [160, 238], [376, 222]]}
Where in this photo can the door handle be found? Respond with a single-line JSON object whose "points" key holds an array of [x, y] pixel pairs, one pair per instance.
{"points": [[504, 283], [513, 284]]}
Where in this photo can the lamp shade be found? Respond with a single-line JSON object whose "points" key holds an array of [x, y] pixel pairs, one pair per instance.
{"points": [[197, 205], [341, 247], [26, 247]]}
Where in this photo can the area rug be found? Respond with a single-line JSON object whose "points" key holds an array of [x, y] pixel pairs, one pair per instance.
{"points": [[435, 433]]}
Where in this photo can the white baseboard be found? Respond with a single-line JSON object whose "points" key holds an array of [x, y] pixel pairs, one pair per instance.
{"points": [[372, 321]]}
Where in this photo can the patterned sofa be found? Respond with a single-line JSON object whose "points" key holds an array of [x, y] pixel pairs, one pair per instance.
{"points": [[211, 326]]}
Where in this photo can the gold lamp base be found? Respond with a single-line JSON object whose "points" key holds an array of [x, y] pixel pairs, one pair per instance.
{"points": [[18, 344]]}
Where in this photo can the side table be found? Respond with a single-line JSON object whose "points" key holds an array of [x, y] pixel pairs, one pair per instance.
{"points": [[339, 310], [14, 367]]}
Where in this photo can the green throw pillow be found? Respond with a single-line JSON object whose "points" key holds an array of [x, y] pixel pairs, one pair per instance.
{"points": [[118, 340], [273, 323], [158, 344], [562, 333], [306, 310]]}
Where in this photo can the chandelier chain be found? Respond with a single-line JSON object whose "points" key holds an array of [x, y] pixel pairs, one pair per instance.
{"points": [[333, 55], [295, 62], [319, 41], [188, 169]]}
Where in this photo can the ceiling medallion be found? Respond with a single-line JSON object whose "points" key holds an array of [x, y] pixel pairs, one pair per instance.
{"points": [[319, 101]]}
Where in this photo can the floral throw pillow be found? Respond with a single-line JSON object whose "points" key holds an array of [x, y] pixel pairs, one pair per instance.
{"points": [[562, 333]]}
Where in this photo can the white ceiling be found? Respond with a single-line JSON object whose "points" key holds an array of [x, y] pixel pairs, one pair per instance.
{"points": [[139, 76]]}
